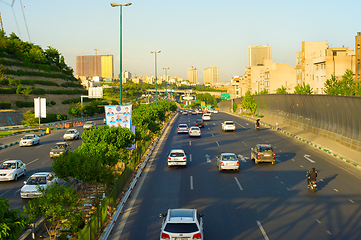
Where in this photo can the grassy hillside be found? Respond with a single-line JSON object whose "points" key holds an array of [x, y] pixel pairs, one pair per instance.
{"points": [[27, 72]]}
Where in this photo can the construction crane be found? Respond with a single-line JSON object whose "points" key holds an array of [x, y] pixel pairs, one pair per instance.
{"points": [[96, 51], [1, 23]]}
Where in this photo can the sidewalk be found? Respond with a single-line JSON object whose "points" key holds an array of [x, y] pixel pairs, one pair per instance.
{"points": [[335, 149]]}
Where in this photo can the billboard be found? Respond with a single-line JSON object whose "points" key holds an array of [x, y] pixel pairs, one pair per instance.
{"points": [[188, 98], [40, 107], [118, 115]]}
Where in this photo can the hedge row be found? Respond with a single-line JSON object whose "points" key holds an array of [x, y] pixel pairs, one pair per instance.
{"points": [[76, 100], [71, 84], [5, 105], [41, 91], [44, 67], [53, 117], [21, 104], [8, 90], [37, 74]]}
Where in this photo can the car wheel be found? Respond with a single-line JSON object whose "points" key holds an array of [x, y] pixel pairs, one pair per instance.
{"points": [[274, 162], [220, 169], [16, 178], [255, 161]]}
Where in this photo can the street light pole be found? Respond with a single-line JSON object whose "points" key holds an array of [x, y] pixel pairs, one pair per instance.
{"points": [[120, 47], [258, 99], [166, 81], [155, 73]]}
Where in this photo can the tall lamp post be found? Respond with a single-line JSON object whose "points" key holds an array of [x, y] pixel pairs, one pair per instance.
{"points": [[166, 81], [155, 73], [258, 98], [120, 48]]}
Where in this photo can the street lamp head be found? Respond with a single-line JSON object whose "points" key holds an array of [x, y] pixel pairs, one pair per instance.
{"points": [[114, 4], [154, 51], [127, 4]]}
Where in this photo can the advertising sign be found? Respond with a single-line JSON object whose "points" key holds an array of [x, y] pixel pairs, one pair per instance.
{"points": [[40, 107], [188, 98], [203, 104], [118, 115]]}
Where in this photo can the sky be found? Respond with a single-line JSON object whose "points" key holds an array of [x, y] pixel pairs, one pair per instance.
{"points": [[188, 33]]}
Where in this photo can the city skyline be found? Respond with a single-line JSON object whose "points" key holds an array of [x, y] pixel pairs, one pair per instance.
{"points": [[187, 38]]}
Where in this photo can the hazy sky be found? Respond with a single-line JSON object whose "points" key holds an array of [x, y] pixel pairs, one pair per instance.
{"points": [[189, 33]]}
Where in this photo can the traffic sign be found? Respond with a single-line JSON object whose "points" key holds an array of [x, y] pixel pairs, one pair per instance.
{"points": [[225, 96], [188, 98]]}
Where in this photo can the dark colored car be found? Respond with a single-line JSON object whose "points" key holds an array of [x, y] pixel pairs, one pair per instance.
{"points": [[263, 153], [199, 123]]}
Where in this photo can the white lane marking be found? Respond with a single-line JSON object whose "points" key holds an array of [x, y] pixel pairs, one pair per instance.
{"points": [[246, 123], [351, 201], [280, 150], [32, 161], [282, 182], [217, 143], [243, 159], [214, 124], [209, 129], [308, 158], [329, 233], [335, 190], [190, 157], [39, 146], [6, 192], [212, 135], [46, 161], [292, 159], [301, 166], [318, 221], [262, 230], [208, 158], [288, 189], [276, 177], [239, 185], [191, 179], [190, 143]]}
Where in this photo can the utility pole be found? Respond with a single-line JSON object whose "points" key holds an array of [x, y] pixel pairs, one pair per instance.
{"points": [[96, 66]]}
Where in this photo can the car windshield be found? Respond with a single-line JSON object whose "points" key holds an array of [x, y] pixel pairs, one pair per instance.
{"points": [[177, 154], [7, 166], [229, 123], [36, 180], [265, 149], [69, 132], [183, 126], [89, 122], [199, 121], [181, 227], [59, 146], [229, 158], [28, 137]]}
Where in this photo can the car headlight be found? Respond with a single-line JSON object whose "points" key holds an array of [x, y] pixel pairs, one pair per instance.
{"points": [[10, 173]]}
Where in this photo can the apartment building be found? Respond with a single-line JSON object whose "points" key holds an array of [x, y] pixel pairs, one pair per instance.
{"points": [[211, 75], [358, 57], [192, 75], [256, 55], [95, 66]]}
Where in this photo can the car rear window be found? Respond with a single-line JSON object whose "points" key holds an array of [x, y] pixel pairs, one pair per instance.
{"points": [[181, 227], [265, 149], [229, 123], [229, 158], [177, 154]]}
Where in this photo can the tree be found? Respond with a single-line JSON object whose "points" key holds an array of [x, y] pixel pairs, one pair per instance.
{"points": [[303, 89], [12, 222], [281, 90], [75, 110], [346, 87], [265, 91], [249, 103], [30, 119], [27, 91], [332, 86], [60, 205]]}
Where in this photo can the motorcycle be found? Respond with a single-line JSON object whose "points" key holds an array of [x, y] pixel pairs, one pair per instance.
{"points": [[257, 125], [312, 186]]}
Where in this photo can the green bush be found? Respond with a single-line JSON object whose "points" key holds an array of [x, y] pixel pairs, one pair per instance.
{"points": [[71, 84], [8, 90], [39, 82], [76, 100], [53, 103], [53, 117], [21, 104], [5, 105]]}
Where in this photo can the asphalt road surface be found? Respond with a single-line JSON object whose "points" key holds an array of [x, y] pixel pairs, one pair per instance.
{"points": [[262, 201], [36, 158]]}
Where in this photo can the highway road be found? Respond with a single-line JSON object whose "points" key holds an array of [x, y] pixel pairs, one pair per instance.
{"points": [[262, 201], [36, 159]]}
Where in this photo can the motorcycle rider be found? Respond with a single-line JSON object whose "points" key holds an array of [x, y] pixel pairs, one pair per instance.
{"points": [[257, 123], [311, 176]]}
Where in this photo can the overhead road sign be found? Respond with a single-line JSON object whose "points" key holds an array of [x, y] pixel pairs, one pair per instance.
{"points": [[188, 98], [225, 96]]}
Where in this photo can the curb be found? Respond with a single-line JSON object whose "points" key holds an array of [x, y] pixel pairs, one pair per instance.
{"points": [[17, 142], [318, 146]]}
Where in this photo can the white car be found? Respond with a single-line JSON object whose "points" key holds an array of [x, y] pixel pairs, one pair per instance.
{"points": [[194, 132], [12, 170], [227, 161], [182, 128], [71, 134], [206, 117], [228, 126], [215, 111], [88, 125], [182, 224], [43, 179], [177, 157], [29, 140]]}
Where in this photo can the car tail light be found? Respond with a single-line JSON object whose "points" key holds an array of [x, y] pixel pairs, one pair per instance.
{"points": [[199, 132], [169, 158], [258, 154], [222, 163], [184, 158], [166, 236], [197, 236], [274, 154], [237, 164]]}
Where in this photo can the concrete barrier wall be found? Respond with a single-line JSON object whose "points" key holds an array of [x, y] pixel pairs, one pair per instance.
{"points": [[10, 118], [335, 117]]}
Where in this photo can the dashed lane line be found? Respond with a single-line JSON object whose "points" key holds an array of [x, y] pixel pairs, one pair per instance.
{"points": [[191, 180], [262, 230], [239, 185]]}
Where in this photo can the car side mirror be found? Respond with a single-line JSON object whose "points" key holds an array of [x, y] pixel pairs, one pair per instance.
{"points": [[161, 215], [24, 182], [202, 215], [251, 149]]}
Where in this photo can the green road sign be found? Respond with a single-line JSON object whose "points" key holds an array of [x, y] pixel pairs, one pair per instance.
{"points": [[225, 96], [209, 106]]}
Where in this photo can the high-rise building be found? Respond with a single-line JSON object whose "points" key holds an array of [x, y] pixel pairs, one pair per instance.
{"points": [[211, 75], [256, 55], [95, 66], [358, 56], [192, 75]]}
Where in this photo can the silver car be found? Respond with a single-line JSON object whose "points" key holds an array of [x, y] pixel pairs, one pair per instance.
{"points": [[182, 128], [227, 161], [12, 170], [71, 134], [88, 125], [43, 179], [182, 224], [60, 148], [194, 132], [29, 140]]}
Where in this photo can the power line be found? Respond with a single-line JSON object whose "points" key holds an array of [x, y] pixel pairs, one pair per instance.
{"points": [[26, 25]]}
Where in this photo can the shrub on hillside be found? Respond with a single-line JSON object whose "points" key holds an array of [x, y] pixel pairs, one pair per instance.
{"points": [[71, 84], [8, 90], [53, 117], [21, 104], [5, 105]]}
